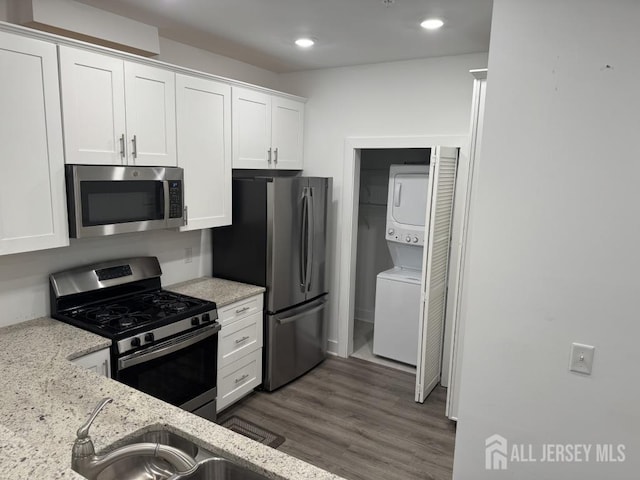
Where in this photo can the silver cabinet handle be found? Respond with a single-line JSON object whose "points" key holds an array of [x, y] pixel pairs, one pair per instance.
{"points": [[275, 155], [269, 156], [243, 339], [242, 310], [105, 368], [243, 377], [122, 153], [134, 142]]}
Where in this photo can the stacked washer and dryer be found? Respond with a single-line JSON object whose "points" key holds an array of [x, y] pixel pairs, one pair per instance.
{"points": [[397, 302]]}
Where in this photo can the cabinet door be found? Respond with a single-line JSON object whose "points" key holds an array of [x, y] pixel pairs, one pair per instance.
{"points": [[251, 129], [99, 362], [151, 115], [92, 88], [32, 195], [203, 110], [287, 123]]}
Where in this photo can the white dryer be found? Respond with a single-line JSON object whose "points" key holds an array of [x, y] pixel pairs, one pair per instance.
{"points": [[397, 306]]}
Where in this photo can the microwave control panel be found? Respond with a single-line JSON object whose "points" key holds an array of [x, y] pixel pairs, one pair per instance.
{"points": [[175, 199]]}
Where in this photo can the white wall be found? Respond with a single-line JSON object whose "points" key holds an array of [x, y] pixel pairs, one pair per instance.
{"points": [[24, 281], [410, 98], [554, 253], [198, 59]]}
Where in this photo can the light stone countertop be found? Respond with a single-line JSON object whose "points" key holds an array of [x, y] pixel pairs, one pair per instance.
{"points": [[44, 398], [218, 290]]}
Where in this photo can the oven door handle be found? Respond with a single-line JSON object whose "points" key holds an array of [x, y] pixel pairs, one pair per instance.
{"points": [[167, 347]]}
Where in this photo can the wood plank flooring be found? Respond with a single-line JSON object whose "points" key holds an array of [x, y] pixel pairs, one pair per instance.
{"points": [[358, 420]]}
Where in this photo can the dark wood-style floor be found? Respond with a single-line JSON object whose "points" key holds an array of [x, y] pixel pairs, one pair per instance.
{"points": [[358, 420]]}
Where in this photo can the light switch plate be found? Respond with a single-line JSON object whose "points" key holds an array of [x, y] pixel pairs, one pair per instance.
{"points": [[581, 358]]}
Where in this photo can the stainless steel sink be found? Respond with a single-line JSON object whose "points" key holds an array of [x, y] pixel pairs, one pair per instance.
{"points": [[210, 467], [148, 468], [221, 469]]}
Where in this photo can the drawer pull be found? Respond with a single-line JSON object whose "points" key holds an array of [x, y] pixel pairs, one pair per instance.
{"points": [[242, 310], [243, 339], [242, 378]]}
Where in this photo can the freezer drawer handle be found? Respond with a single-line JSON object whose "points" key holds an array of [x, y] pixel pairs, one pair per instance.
{"points": [[242, 378], [242, 310], [243, 339], [297, 316]]}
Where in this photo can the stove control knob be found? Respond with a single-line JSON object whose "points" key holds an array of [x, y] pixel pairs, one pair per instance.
{"points": [[206, 317], [195, 321], [408, 239], [415, 239], [149, 337], [391, 231], [135, 342]]}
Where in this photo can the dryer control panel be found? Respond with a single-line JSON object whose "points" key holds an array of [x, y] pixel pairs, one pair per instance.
{"points": [[405, 235]]}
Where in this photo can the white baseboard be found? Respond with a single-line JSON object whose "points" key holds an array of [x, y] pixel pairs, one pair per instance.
{"points": [[332, 347]]}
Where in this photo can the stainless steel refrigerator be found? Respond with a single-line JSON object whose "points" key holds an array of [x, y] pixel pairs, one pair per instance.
{"points": [[278, 240]]}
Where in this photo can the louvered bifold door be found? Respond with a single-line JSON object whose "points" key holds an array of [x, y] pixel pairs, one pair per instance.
{"points": [[435, 268]]}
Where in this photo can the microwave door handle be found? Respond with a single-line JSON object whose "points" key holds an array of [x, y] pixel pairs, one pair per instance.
{"points": [[310, 235], [167, 348], [165, 190]]}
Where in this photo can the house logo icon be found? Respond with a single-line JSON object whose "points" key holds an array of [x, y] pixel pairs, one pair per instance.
{"points": [[495, 453]]}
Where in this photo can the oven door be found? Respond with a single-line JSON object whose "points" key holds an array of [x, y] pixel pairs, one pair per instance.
{"points": [[105, 200], [181, 371]]}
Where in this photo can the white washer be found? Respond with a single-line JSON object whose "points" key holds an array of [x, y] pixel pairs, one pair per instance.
{"points": [[395, 333], [397, 308]]}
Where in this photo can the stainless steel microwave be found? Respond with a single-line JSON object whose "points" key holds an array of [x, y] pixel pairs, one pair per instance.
{"points": [[105, 200]]}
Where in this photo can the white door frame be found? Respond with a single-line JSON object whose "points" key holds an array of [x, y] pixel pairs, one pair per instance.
{"points": [[349, 234]]}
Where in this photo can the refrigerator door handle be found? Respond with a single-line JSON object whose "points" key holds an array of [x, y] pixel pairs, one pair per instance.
{"points": [[303, 251], [310, 234], [296, 316]]}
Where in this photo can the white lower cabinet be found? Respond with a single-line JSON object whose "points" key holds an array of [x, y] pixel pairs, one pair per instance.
{"points": [[239, 350], [99, 362], [239, 379]]}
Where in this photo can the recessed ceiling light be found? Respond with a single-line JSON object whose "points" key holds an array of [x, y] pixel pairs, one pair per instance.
{"points": [[305, 42], [432, 23]]}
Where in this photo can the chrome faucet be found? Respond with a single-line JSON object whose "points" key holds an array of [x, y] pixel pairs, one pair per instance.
{"points": [[85, 461]]}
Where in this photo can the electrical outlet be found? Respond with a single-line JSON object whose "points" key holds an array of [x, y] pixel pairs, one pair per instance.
{"points": [[188, 255], [581, 358]]}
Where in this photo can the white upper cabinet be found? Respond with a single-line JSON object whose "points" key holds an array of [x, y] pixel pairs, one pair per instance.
{"points": [[115, 111], [203, 110], [32, 196], [92, 89], [287, 125], [151, 115], [267, 131]]}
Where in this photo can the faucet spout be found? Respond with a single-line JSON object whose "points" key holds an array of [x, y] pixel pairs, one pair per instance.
{"points": [[91, 466]]}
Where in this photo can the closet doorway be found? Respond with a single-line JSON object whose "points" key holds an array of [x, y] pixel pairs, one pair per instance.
{"points": [[354, 162], [373, 253]]}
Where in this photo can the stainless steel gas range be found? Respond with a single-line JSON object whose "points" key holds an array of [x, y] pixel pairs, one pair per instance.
{"points": [[164, 343]]}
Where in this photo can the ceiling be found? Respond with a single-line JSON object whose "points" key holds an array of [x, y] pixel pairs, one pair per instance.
{"points": [[348, 32]]}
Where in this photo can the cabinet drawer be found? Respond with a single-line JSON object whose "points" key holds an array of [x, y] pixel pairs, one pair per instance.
{"points": [[241, 309], [239, 378], [239, 338]]}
